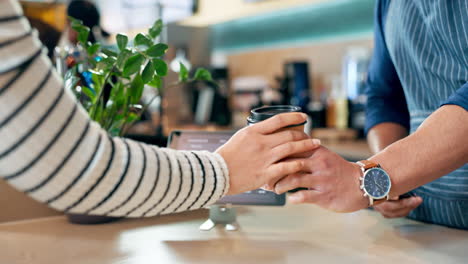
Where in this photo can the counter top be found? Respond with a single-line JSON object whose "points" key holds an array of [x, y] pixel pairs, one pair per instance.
{"points": [[291, 234]]}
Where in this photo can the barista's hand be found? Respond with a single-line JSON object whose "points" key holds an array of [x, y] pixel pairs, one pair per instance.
{"points": [[333, 183], [255, 154], [396, 208]]}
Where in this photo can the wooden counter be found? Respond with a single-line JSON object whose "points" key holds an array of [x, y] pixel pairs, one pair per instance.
{"points": [[291, 234]]}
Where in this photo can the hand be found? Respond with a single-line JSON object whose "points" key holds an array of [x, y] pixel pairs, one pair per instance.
{"points": [[332, 181], [395, 207], [255, 154]]}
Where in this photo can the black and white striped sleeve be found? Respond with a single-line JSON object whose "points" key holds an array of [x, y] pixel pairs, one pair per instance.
{"points": [[52, 151]]}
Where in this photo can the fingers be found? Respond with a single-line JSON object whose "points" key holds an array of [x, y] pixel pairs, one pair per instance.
{"points": [[399, 208], [294, 147], [279, 121], [279, 170], [304, 196], [286, 136], [267, 187], [294, 181]]}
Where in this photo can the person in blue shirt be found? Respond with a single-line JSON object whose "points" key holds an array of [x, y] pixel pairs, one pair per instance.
{"points": [[417, 119]]}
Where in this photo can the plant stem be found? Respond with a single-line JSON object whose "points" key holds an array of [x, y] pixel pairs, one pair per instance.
{"points": [[101, 92], [143, 110]]}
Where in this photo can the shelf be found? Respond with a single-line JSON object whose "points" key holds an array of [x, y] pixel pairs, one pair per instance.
{"points": [[296, 26]]}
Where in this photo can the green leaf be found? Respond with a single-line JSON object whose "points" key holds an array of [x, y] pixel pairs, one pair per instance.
{"points": [[157, 50], [183, 73], [118, 95], [132, 117], [114, 131], [75, 21], [77, 26], [122, 41], [133, 64], [109, 53], [136, 89], [89, 92], [106, 64], [83, 34], [156, 82], [202, 75], [109, 61], [156, 29], [98, 81], [142, 40], [92, 49], [82, 30], [98, 113], [160, 67], [122, 58], [148, 72], [118, 117]]}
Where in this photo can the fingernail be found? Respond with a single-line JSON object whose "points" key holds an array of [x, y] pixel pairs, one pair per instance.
{"points": [[277, 188], [304, 115], [316, 141], [416, 200]]}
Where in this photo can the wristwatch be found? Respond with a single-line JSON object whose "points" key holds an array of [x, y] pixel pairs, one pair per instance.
{"points": [[375, 182]]}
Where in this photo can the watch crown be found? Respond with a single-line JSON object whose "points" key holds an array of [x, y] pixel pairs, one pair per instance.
{"points": [[362, 187], [361, 178]]}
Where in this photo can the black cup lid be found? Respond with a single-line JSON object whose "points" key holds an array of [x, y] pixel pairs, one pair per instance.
{"points": [[263, 113]]}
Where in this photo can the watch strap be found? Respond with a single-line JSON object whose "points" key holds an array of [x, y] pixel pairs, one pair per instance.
{"points": [[378, 201], [367, 164]]}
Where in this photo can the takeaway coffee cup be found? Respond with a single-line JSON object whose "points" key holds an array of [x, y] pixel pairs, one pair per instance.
{"points": [[263, 113], [260, 114]]}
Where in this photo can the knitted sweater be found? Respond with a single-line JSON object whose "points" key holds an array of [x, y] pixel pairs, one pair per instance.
{"points": [[53, 152]]}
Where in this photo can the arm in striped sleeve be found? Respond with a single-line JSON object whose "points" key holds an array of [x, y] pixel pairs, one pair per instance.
{"points": [[52, 151]]}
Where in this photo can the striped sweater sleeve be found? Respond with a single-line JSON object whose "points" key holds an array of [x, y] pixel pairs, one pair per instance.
{"points": [[52, 151]]}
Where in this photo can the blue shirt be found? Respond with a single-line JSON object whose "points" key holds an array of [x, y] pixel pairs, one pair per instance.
{"points": [[420, 62], [386, 98]]}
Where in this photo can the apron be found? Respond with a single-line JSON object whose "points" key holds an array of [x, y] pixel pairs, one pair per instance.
{"points": [[428, 43]]}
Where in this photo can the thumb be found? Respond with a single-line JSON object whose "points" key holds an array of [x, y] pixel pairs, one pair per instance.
{"points": [[415, 201]]}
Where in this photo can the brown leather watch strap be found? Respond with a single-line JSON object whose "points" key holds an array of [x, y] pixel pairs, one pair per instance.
{"points": [[367, 164], [378, 201]]}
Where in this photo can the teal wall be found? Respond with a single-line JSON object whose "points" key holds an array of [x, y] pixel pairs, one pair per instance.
{"points": [[296, 26]]}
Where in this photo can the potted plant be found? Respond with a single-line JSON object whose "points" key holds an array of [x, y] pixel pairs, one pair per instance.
{"points": [[112, 96]]}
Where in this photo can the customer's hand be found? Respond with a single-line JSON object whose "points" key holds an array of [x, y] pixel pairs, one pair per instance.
{"points": [[395, 207], [332, 181], [256, 154]]}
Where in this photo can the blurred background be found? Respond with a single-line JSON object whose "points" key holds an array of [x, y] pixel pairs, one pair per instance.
{"points": [[309, 53]]}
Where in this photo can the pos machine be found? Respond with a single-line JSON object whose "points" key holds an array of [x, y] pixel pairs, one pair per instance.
{"points": [[223, 211]]}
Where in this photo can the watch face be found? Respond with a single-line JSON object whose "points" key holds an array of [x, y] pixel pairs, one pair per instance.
{"points": [[377, 183]]}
